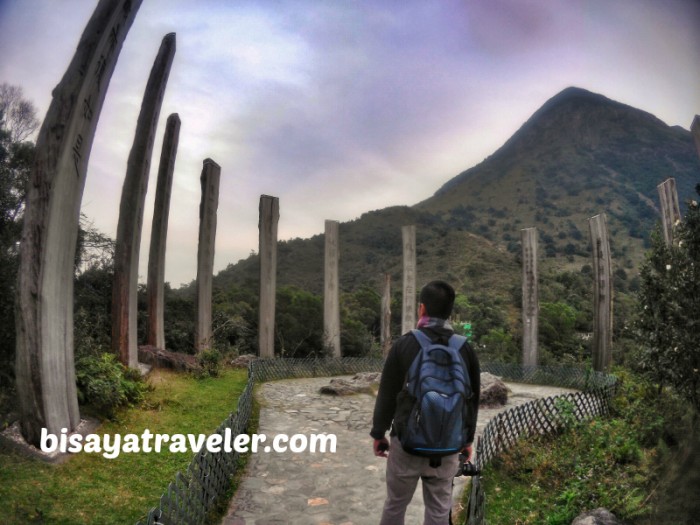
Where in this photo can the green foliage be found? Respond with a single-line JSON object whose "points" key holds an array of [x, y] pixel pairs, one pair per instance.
{"points": [[106, 385], [612, 462], [17, 122], [557, 332], [209, 362], [669, 310]]}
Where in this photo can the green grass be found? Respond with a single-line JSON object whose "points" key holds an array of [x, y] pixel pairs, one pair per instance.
{"points": [[92, 489], [625, 462]]}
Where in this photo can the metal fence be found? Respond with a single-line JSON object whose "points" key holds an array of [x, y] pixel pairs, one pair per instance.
{"points": [[192, 495], [540, 416]]}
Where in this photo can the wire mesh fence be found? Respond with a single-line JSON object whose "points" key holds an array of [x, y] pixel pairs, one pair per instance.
{"points": [[191, 496], [539, 416]]}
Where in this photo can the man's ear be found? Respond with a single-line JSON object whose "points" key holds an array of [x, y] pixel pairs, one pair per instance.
{"points": [[422, 312]]}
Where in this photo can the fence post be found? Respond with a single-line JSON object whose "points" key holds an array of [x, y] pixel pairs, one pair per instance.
{"points": [[670, 211], [602, 296], [408, 312], [695, 128], [331, 297], [531, 307], [269, 217], [159, 233]]}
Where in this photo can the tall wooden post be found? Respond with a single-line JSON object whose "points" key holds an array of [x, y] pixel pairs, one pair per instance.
{"points": [[602, 296], [531, 306], [670, 211], [331, 297], [695, 129], [211, 174], [269, 217], [408, 312], [159, 234], [126, 253], [386, 315], [44, 363]]}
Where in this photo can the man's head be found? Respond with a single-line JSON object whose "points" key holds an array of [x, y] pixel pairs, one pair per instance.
{"points": [[438, 298]]}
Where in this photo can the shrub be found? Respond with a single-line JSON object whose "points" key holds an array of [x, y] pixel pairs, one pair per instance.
{"points": [[105, 384], [209, 363]]}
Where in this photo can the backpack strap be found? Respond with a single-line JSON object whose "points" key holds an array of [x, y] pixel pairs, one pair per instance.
{"points": [[423, 340]]}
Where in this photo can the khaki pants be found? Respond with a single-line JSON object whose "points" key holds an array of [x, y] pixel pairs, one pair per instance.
{"points": [[402, 473]]}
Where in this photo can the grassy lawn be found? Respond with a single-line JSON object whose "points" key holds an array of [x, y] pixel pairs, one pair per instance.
{"points": [[92, 489]]}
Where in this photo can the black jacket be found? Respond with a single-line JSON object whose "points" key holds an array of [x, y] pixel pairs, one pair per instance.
{"points": [[396, 366]]}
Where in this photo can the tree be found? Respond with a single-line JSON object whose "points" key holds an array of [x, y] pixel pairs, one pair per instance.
{"points": [[669, 308], [17, 121], [17, 115]]}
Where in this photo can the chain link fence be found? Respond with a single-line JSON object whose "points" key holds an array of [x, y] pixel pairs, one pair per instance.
{"points": [[192, 495]]}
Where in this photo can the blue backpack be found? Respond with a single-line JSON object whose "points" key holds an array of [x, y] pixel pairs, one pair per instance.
{"points": [[438, 387]]}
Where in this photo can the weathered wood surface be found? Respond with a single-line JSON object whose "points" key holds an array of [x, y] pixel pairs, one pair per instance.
{"points": [[128, 245], [670, 210], [386, 315], [408, 311], [602, 294], [159, 234], [44, 366], [331, 292], [211, 175], [269, 218], [530, 287]]}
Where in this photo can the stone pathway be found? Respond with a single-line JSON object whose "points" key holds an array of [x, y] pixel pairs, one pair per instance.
{"points": [[342, 488]]}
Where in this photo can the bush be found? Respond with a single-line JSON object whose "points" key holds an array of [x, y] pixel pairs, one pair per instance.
{"points": [[105, 384], [209, 363]]}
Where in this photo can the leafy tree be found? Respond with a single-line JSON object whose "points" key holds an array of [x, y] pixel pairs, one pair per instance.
{"points": [[669, 308], [17, 122]]}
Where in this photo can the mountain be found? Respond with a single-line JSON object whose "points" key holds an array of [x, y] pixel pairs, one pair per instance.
{"points": [[579, 155]]}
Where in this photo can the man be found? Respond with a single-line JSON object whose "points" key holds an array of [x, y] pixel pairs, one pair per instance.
{"points": [[404, 469]]}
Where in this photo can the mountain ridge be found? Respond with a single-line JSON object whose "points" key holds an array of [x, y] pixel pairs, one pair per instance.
{"points": [[578, 155]]}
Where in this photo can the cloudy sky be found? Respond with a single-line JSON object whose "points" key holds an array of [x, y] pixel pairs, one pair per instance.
{"points": [[339, 107]]}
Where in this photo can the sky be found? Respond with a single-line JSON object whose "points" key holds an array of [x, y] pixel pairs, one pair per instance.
{"points": [[340, 107]]}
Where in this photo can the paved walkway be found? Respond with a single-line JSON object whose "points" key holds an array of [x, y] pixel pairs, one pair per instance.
{"points": [[344, 488]]}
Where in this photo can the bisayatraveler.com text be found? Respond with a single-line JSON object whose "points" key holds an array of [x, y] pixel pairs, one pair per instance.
{"points": [[110, 446]]}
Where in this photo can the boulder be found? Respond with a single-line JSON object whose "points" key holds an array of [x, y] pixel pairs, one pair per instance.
{"points": [[494, 392], [597, 517], [242, 361], [359, 384], [160, 358]]}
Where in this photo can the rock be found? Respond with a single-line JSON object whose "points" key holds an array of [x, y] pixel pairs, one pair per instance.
{"points": [[159, 358], [597, 517], [242, 361], [360, 384], [494, 392]]}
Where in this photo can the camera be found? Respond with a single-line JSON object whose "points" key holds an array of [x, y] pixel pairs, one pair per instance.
{"points": [[466, 468]]}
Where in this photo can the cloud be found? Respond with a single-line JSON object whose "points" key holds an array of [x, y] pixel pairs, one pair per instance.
{"points": [[343, 107]]}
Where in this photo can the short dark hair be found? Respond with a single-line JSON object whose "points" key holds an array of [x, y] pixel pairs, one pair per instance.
{"points": [[438, 298]]}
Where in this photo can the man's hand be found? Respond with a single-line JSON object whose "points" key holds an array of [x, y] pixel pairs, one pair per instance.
{"points": [[381, 446], [468, 450]]}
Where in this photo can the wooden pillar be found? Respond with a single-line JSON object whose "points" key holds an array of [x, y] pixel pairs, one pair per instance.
{"points": [[159, 233], [386, 315], [695, 129], [408, 312], [44, 363], [670, 211], [211, 174], [128, 244], [531, 306], [269, 217], [602, 293], [331, 293]]}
